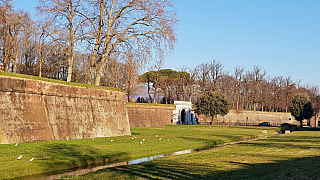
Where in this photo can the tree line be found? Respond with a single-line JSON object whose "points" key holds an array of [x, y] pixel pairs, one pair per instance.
{"points": [[110, 42], [248, 89], [105, 42]]}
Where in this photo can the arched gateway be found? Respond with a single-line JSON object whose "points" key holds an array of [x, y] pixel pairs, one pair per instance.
{"points": [[183, 113]]}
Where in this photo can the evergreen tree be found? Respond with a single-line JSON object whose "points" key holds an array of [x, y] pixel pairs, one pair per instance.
{"points": [[213, 103], [301, 108]]}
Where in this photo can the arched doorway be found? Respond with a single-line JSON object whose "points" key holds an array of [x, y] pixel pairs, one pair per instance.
{"points": [[183, 116]]}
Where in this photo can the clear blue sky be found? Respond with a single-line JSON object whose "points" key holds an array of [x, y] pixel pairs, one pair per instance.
{"points": [[280, 36]]}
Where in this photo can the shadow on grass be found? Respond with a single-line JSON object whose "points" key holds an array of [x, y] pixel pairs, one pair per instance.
{"points": [[277, 165], [287, 141], [59, 157], [302, 168], [308, 129]]}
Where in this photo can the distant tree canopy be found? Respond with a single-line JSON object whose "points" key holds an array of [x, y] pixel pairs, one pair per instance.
{"points": [[212, 103], [300, 107], [170, 82]]}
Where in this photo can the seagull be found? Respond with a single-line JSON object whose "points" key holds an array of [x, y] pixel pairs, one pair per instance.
{"points": [[140, 142], [143, 139], [31, 159], [132, 138], [167, 139], [111, 140], [2, 143], [19, 158], [67, 139], [16, 144], [160, 139], [93, 139], [156, 135], [135, 137]]}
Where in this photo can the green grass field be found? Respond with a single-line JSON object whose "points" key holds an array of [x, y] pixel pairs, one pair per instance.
{"points": [[288, 156], [58, 155]]}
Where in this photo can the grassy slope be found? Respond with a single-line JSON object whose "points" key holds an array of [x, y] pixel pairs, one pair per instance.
{"points": [[56, 155], [57, 81], [289, 156]]}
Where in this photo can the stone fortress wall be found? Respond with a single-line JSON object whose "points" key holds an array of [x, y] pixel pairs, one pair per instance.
{"points": [[149, 116], [250, 118], [33, 110]]}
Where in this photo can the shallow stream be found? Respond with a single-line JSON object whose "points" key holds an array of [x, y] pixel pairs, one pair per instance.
{"points": [[85, 170]]}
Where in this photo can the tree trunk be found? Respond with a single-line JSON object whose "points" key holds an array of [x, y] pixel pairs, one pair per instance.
{"points": [[70, 68], [149, 91], [98, 76], [93, 62], [154, 95], [40, 68]]}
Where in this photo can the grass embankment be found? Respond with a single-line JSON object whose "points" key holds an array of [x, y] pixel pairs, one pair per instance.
{"points": [[288, 156], [57, 155], [58, 81]]}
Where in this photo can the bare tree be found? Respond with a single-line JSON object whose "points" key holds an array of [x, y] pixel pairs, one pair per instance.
{"points": [[11, 24], [147, 26], [238, 77], [68, 14], [216, 72], [203, 77]]}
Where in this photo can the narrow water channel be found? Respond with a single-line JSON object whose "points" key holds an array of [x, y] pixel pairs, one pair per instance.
{"points": [[78, 172]]}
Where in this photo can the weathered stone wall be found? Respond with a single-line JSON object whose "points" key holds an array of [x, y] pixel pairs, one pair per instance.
{"points": [[32, 110], [149, 116], [251, 117]]}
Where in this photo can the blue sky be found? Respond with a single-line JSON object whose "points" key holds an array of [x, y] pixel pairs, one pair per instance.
{"points": [[282, 37]]}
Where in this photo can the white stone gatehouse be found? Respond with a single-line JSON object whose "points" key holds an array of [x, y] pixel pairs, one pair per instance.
{"points": [[183, 113]]}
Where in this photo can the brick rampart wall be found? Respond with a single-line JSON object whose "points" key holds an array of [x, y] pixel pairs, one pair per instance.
{"points": [[251, 117], [149, 116], [33, 110]]}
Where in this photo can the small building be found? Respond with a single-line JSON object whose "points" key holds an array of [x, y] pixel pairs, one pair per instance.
{"points": [[183, 113]]}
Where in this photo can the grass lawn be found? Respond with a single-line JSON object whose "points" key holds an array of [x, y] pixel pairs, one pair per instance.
{"points": [[288, 156], [58, 155]]}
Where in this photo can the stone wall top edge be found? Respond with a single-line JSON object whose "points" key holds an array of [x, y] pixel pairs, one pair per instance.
{"points": [[258, 112], [149, 107], [32, 85]]}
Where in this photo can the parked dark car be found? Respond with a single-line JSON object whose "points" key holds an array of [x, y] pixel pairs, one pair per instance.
{"points": [[264, 124]]}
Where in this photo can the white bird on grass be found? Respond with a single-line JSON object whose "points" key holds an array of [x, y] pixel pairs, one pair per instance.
{"points": [[135, 137], [93, 139], [140, 142], [67, 139], [143, 139], [160, 139], [132, 138], [19, 158], [156, 135], [167, 139], [31, 159], [111, 140]]}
